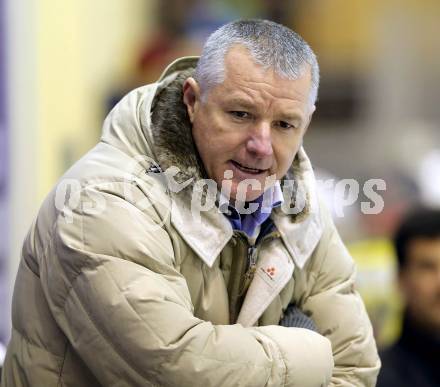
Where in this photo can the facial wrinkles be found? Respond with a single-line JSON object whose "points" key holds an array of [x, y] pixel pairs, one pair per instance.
{"points": [[269, 101], [261, 77]]}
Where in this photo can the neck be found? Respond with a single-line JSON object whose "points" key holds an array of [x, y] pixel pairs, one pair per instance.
{"points": [[420, 338]]}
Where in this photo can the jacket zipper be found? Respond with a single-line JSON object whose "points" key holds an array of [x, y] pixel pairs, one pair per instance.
{"points": [[252, 264], [252, 254]]}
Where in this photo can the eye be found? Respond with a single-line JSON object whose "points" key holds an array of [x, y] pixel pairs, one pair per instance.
{"points": [[239, 114], [284, 125]]}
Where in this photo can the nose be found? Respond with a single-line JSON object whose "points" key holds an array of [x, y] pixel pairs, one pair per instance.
{"points": [[260, 140]]}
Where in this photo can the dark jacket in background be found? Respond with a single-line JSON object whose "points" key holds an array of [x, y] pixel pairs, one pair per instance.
{"points": [[414, 361]]}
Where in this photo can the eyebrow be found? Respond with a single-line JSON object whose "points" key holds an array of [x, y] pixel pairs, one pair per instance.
{"points": [[240, 102], [292, 117]]}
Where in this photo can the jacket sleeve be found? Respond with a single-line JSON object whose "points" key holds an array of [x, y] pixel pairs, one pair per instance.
{"points": [[112, 285], [339, 313]]}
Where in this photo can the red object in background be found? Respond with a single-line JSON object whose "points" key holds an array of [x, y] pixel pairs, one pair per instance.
{"points": [[156, 52]]}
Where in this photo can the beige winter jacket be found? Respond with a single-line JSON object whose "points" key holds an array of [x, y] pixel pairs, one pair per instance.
{"points": [[120, 284]]}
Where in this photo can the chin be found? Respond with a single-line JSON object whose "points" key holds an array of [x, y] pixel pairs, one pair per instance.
{"points": [[250, 196]]}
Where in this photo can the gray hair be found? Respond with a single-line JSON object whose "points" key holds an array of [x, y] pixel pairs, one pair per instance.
{"points": [[271, 45]]}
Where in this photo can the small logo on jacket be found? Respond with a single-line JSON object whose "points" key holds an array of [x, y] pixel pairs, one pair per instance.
{"points": [[269, 271]]}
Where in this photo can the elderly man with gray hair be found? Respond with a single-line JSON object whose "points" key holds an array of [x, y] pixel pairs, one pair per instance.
{"points": [[191, 248]]}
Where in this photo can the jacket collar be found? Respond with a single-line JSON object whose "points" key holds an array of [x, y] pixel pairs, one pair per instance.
{"points": [[153, 121]]}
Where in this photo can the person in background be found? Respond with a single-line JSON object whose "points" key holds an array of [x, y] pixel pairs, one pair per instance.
{"points": [[414, 360]]}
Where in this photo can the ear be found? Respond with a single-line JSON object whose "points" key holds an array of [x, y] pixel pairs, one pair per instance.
{"points": [[191, 97], [402, 283]]}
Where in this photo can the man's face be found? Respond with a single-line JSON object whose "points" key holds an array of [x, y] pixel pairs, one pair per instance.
{"points": [[252, 124], [420, 282]]}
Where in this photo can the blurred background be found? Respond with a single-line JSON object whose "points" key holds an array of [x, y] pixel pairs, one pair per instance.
{"points": [[65, 64]]}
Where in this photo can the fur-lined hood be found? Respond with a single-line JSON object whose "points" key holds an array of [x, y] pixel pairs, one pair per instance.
{"points": [[153, 121]]}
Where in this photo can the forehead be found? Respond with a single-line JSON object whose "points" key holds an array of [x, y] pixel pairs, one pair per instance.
{"points": [[246, 79], [424, 249]]}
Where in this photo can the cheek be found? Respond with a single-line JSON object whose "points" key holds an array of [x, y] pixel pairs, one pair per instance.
{"points": [[205, 134], [285, 153], [418, 289], [210, 128]]}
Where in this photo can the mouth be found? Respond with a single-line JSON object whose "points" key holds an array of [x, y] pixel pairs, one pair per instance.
{"points": [[247, 169]]}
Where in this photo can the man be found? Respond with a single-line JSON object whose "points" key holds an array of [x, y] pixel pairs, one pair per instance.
{"points": [[155, 271], [415, 358]]}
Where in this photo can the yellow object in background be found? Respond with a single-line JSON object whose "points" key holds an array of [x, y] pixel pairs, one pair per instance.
{"points": [[83, 49], [376, 282]]}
